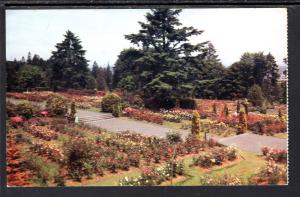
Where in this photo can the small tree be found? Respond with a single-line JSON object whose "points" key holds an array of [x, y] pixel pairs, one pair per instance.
{"points": [[280, 116], [116, 112], [245, 105], [215, 108], [255, 95], [226, 110], [242, 122], [238, 106], [108, 102], [73, 111], [56, 105], [196, 123]]}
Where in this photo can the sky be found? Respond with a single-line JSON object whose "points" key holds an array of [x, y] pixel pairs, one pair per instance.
{"points": [[232, 31]]}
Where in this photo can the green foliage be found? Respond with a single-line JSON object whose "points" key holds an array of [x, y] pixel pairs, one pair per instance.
{"points": [[116, 110], [45, 172], [73, 111], [69, 66], [174, 137], [80, 157], [127, 84], [215, 111], [164, 66], [255, 95], [242, 126], [108, 101], [56, 105], [196, 123], [26, 109], [226, 110], [238, 106], [30, 77], [187, 103]]}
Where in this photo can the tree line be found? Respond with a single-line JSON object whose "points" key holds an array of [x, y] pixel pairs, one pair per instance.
{"points": [[162, 66]]}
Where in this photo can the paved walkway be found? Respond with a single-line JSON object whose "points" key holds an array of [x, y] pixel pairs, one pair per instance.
{"points": [[106, 121], [248, 141], [253, 142]]}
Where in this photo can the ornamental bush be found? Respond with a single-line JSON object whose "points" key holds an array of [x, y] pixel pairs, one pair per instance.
{"points": [[108, 102], [25, 110], [196, 123], [255, 95], [116, 110], [57, 105]]}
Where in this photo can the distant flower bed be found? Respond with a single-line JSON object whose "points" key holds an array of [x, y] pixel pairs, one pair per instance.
{"points": [[143, 115], [41, 132]]}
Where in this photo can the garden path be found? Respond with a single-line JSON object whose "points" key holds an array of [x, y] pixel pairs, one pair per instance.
{"points": [[108, 122], [253, 142]]}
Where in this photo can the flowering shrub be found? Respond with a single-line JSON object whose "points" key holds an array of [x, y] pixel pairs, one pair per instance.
{"points": [[277, 155], [41, 132], [154, 176], [16, 121], [56, 105], [224, 180], [48, 150], [216, 157], [271, 174], [82, 158], [108, 101], [143, 115]]}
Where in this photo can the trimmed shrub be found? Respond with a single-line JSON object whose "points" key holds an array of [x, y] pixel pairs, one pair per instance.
{"points": [[25, 110], [196, 123], [255, 95], [116, 110], [56, 105], [187, 103], [174, 137], [242, 127], [108, 102]]}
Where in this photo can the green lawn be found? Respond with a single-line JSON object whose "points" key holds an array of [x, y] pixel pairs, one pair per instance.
{"points": [[113, 179], [281, 135], [244, 169], [247, 166]]}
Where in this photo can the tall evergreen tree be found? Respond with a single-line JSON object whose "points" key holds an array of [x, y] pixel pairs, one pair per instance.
{"points": [[270, 84], [70, 68], [29, 60], [166, 54], [109, 77]]}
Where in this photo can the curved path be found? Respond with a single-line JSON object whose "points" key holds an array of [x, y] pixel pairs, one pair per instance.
{"points": [[247, 141], [253, 142], [108, 122]]}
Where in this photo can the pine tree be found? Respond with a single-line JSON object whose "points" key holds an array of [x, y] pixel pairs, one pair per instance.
{"points": [[270, 85], [29, 60], [70, 68], [95, 69], [109, 77], [167, 54]]}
